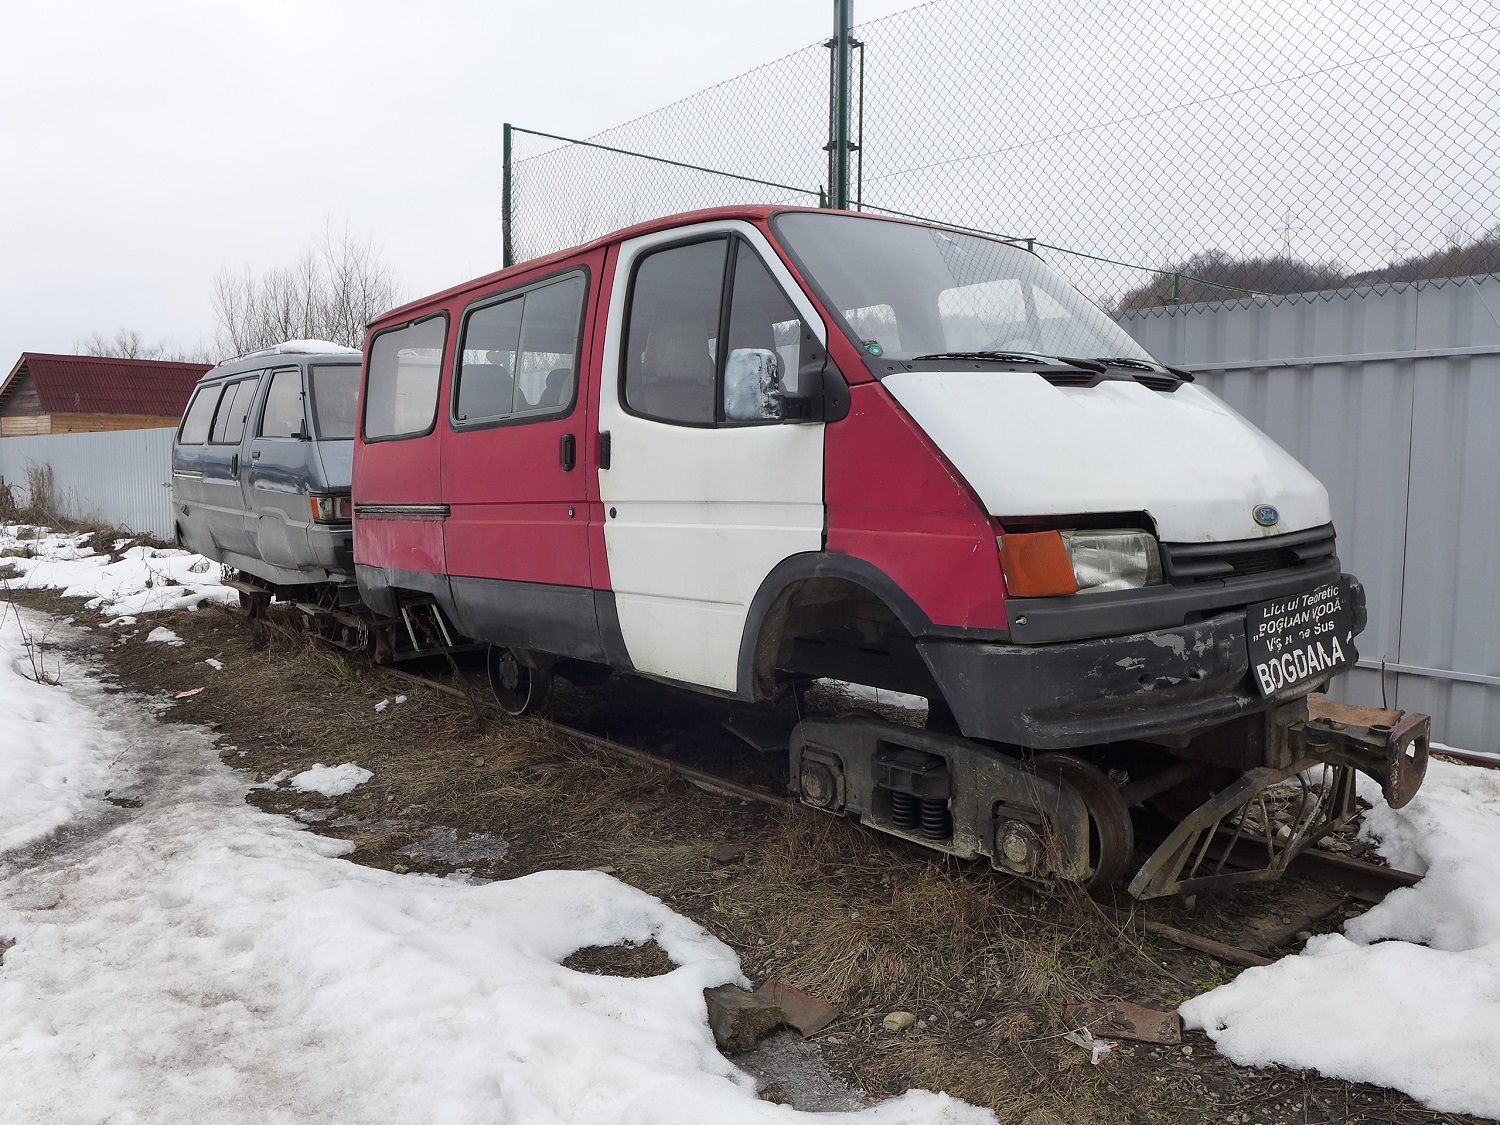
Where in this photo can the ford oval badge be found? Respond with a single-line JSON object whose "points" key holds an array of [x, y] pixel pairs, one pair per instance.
{"points": [[1266, 515]]}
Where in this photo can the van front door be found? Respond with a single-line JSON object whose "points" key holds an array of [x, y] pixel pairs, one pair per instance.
{"points": [[700, 503], [279, 474]]}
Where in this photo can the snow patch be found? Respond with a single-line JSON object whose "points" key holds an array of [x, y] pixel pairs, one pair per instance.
{"points": [[162, 635], [54, 751], [146, 579], [1409, 995], [331, 781]]}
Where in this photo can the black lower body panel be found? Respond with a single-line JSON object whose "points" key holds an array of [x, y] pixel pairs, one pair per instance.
{"points": [[565, 621], [1084, 693]]}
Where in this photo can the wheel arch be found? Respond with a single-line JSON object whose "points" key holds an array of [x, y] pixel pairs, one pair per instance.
{"points": [[793, 579]]}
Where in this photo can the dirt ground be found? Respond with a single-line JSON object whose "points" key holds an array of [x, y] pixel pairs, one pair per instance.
{"points": [[987, 964]]}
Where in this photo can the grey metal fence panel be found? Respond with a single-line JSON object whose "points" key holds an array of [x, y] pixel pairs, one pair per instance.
{"points": [[1392, 397], [122, 478]]}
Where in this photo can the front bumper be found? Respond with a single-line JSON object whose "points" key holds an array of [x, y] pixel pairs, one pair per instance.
{"points": [[1083, 693]]}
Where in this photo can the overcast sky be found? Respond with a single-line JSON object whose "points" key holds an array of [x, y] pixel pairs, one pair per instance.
{"points": [[147, 144]]}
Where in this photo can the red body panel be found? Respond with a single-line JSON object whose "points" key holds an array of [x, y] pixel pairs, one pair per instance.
{"points": [[894, 501], [399, 472], [399, 542]]}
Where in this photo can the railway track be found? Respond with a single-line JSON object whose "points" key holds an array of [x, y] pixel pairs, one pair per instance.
{"points": [[1354, 879], [1363, 881]]}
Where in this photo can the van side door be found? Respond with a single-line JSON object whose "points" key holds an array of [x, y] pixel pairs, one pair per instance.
{"points": [[224, 497], [280, 467], [516, 468]]}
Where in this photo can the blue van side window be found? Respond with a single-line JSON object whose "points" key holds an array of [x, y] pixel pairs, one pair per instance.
{"points": [[199, 416], [335, 394], [282, 416], [234, 408]]}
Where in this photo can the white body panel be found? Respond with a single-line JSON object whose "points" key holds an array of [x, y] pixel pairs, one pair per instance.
{"points": [[697, 517], [1185, 458]]}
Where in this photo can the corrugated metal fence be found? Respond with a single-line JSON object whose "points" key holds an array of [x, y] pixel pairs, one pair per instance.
{"points": [[122, 478], [1392, 397]]}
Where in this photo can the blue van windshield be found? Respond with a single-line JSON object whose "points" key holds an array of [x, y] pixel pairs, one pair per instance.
{"points": [[907, 291]]}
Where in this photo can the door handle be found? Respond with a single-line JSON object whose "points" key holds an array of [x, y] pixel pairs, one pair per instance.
{"points": [[234, 465], [569, 453], [604, 449]]}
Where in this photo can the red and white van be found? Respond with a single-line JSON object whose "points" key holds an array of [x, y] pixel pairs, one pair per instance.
{"points": [[739, 448]]}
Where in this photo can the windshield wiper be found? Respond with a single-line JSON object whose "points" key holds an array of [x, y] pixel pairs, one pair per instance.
{"points": [[998, 357], [1129, 363]]}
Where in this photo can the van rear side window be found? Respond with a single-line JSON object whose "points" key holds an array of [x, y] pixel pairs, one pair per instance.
{"points": [[234, 408], [335, 396], [282, 416], [199, 416], [401, 393]]}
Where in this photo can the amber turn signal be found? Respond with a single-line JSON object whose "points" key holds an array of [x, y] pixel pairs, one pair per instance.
{"points": [[1037, 565]]}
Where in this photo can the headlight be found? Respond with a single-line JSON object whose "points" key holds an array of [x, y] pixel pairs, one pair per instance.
{"points": [[1113, 560], [1052, 563]]}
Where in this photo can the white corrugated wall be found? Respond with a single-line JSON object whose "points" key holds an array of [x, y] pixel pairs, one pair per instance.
{"points": [[122, 477], [1392, 397]]}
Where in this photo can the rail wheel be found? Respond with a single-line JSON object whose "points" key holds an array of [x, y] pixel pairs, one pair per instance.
{"points": [[1111, 834], [254, 605], [519, 688]]}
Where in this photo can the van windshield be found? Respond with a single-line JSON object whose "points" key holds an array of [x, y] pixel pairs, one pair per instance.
{"points": [[908, 291], [335, 393]]}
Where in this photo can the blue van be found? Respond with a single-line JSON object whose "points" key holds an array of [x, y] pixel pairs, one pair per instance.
{"points": [[262, 462]]}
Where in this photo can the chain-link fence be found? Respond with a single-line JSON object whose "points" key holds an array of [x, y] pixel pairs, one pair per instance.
{"points": [[1155, 152]]}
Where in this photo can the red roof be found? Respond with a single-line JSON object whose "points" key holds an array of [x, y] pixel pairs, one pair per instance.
{"points": [[86, 384]]}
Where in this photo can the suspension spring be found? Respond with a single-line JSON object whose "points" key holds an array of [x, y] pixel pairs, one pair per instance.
{"points": [[936, 823], [905, 809]]}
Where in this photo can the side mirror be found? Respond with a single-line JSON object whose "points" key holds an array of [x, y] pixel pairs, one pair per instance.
{"points": [[752, 386]]}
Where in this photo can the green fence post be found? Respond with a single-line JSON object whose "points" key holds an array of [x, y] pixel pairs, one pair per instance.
{"points": [[506, 256], [842, 18], [1176, 288]]}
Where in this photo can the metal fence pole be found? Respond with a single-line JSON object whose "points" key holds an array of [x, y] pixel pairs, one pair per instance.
{"points": [[507, 258], [843, 17]]}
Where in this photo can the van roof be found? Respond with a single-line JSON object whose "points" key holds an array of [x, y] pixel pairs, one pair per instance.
{"points": [[273, 357], [753, 212]]}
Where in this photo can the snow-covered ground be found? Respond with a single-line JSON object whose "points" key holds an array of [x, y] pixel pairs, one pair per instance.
{"points": [[195, 959], [1409, 995], [145, 579], [184, 957]]}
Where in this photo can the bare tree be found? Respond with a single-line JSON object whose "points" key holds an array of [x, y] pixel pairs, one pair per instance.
{"points": [[330, 293], [127, 343]]}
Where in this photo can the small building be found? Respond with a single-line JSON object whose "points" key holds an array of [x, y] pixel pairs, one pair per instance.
{"points": [[61, 394]]}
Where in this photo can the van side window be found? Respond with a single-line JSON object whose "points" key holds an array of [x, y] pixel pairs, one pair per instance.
{"points": [[402, 388], [282, 416], [199, 416], [335, 397], [234, 408], [519, 357], [761, 316], [671, 333]]}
